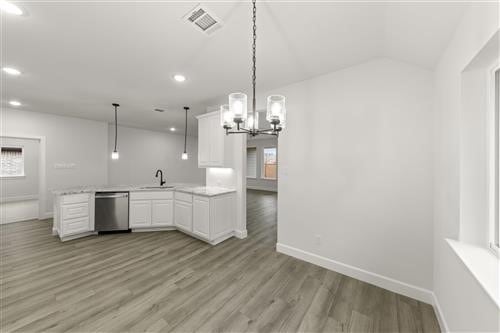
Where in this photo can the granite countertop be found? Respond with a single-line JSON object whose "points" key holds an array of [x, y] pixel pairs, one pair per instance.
{"points": [[208, 191]]}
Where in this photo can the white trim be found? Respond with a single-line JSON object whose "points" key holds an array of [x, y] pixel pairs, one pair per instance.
{"points": [[482, 264], [42, 181], [439, 314], [241, 234], [399, 287], [153, 229], [261, 188], [12, 176], [492, 152], [46, 215]]}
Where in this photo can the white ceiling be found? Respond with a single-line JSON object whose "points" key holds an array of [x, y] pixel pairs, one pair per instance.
{"points": [[78, 58]]}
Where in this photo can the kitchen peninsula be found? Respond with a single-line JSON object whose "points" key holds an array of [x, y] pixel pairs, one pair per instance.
{"points": [[204, 212]]}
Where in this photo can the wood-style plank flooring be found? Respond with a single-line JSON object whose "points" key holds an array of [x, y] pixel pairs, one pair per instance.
{"points": [[167, 281]]}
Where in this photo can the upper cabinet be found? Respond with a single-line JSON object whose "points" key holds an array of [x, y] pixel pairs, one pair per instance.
{"points": [[214, 147]]}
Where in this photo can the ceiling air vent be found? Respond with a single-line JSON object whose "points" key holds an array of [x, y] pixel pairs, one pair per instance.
{"points": [[203, 20]]}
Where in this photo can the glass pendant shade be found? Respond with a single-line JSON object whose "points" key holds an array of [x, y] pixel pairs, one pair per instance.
{"points": [[250, 121], [226, 117], [115, 155], [184, 156], [282, 118], [275, 109], [238, 107]]}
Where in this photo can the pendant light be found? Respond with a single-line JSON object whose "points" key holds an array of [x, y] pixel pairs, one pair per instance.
{"points": [[185, 154], [235, 113], [115, 155]]}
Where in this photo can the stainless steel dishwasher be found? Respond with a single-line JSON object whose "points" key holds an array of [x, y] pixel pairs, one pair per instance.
{"points": [[111, 211]]}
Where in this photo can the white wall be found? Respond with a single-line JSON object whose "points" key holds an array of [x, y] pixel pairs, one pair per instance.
{"points": [[356, 170], [68, 141], [85, 146], [260, 183], [465, 306], [142, 152]]}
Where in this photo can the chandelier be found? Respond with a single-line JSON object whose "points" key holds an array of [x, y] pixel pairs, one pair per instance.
{"points": [[234, 116]]}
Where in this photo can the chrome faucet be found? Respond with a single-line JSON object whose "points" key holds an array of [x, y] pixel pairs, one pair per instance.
{"points": [[161, 177]]}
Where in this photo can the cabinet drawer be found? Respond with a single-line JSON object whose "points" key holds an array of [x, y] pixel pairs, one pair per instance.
{"points": [[71, 211], [75, 198], [75, 226], [153, 195], [184, 197]]}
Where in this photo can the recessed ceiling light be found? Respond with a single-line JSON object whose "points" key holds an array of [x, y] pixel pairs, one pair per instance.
{"points": [[179, 78], [10, 8], [172, 129], [11, 71], [15, 103]]}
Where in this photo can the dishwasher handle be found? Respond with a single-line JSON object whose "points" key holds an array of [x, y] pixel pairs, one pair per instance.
{"points": [[111, 196]]}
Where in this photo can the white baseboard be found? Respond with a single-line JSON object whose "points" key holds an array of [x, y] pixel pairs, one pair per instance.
{"points": [[17, 211], [46, 215], [381, 281], [240, 233], [439, 314], [153, 229]]}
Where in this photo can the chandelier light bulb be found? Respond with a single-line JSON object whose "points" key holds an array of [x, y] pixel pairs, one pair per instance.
{"points": [[275, 109], [251, 122], [238, 107], [115, 155], [184, 156], [226, 116]]}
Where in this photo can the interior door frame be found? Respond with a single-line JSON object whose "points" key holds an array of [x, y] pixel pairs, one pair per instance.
{"points": [[42, 174]]}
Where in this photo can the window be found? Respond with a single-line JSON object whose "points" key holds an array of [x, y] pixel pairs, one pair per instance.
{"points": [[12, 162], [251, 162], [270, 163]]}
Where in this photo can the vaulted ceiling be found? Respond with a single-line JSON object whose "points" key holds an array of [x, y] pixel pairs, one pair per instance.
{"points": [[79, 57]]}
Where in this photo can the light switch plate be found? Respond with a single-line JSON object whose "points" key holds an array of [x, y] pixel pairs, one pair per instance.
{"points": [[64, 165]]}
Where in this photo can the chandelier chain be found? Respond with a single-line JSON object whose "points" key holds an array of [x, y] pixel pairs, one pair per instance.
{"points": [[254, 60]]}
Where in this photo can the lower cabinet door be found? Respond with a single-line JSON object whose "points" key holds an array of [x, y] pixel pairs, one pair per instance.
{"points": [[201, 217], [184, 215], [162, 213], [140, 214], [75, 226]]}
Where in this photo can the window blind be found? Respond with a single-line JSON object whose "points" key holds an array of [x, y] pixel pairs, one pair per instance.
{"points": [[252, 162], [11, 161]]}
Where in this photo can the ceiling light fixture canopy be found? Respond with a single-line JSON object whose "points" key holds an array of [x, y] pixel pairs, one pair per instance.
{"points": [[185, 154], [235, 113], [11, 71], [10, 8], [179, 78], [115, 155]]}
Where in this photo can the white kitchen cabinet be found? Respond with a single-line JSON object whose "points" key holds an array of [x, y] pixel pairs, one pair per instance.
{"points": [[74, 215], [184, 216], [214, 146], [139, 213], [149, 210], [201, 216], [214, 217], [162, 213]]}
